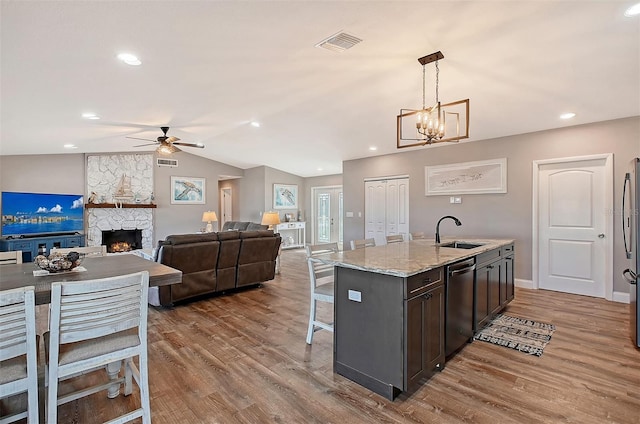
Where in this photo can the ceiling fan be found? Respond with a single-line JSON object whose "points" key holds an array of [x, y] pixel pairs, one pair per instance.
{"points": [[167, 145]]}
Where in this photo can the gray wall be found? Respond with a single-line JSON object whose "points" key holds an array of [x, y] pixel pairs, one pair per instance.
{"points": [[257, 192], [252, 195], [66, 174], [496, 215], [180, 219]]}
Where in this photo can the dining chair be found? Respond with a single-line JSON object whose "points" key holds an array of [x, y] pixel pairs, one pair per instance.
{"points": [[18, 354], [87, 250], [417, 235], [11, 257], [95, 324], [359, 244], [395, 238], [321, 279]]}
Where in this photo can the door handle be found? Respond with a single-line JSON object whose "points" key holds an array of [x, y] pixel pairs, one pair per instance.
{"points": [[600, 235], [630, 276]]}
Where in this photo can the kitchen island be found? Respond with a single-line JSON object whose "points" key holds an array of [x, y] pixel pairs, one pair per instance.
{"points": [[390, 321]]}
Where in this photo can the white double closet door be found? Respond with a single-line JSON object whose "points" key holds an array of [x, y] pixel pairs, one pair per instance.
{"points": [[386, 208]]}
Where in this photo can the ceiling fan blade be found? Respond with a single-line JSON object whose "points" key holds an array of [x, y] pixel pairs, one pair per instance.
{"points": [[138, 138], [172, 139], [148, 144], [199, 145]]}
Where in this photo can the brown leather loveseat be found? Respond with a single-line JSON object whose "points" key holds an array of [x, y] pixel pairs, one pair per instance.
{"points": [[215, 262]]}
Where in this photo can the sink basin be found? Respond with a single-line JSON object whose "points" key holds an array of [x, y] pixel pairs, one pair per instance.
{"points": [[461, 245]]}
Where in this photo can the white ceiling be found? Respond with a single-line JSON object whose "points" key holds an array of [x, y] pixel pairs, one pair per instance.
{"points": [[211, 67]]}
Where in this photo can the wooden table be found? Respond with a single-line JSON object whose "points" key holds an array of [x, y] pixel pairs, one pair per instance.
{"points": [[21, 275]]}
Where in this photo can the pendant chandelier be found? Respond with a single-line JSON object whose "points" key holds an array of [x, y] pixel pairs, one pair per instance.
{"points": [[433, 124]]}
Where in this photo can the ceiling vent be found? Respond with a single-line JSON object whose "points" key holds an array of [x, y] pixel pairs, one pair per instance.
{"points": [[339, 42], [172, 163]]}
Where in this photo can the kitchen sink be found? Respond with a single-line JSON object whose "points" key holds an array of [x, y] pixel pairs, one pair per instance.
{"points": [[461, 245]]}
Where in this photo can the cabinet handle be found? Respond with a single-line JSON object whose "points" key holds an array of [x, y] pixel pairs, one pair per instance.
{"points": [[428, 296], [489, 266], [425, 282]]}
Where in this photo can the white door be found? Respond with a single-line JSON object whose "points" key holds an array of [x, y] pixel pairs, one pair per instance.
{"points": [[375, 208], [397, 208], [574, 229], [328, 215], [386, 208], [226, 201]]}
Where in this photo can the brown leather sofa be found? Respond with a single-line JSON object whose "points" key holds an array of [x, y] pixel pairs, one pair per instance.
{"points": [[215, 262]]}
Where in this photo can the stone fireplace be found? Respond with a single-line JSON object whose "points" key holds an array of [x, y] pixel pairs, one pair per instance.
{"points": [[122, 240], [104, 175]]}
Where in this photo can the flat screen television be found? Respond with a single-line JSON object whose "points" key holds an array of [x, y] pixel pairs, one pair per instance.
{"points": [[40, 213]]}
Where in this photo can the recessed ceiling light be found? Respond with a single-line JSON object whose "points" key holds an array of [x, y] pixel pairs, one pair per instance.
{"points": [[319, 169], [255, 124], [129, 59], [373, 148], [633, 10], [70, 146], [90, 116], [567, 115]]}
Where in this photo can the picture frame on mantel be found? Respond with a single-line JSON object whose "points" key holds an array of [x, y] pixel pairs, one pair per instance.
{"points": [[285, 196], [478, 177], [188, 191]]}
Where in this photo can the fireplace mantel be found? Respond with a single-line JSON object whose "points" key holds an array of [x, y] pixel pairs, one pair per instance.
{"points": [[118, 206]]}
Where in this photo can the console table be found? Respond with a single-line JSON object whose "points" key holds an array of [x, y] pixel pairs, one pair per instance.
{"points": [[33, 246], [286, 229]]}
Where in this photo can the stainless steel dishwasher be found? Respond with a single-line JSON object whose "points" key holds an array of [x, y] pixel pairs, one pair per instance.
{"points": [[459, 305]]}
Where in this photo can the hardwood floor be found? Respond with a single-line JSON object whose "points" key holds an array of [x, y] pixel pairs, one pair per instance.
{"points": [[242, 358]]}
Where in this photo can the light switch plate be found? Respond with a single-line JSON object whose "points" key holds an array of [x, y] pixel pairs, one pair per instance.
{"points": [[349, 214], [354, 295]]}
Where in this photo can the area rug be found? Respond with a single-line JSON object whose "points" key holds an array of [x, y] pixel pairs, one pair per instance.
{"points": [[517, 333]]}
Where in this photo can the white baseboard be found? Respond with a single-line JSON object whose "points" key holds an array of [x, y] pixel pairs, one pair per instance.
{"points": [[620, 297], [525, 284]]}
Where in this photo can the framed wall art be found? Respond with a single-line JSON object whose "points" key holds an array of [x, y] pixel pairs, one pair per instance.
{"points": [[187, 191], [479, 177], [285, 196]]}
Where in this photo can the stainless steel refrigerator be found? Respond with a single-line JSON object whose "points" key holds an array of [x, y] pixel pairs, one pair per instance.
{"points": [[631, 235]]}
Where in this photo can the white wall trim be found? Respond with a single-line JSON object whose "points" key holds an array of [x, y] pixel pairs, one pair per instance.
{"points": [[392, 177], [525, 284], [608, 157], [621, 297]]}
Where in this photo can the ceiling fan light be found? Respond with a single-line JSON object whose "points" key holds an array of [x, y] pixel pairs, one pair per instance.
{"points": [[167, 149]]}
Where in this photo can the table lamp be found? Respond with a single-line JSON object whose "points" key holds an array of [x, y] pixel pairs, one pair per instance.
{"points": [[207, 217], [270, 219]]}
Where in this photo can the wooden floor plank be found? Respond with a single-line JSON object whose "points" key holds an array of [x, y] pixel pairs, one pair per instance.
{"points": [[242, 358]]}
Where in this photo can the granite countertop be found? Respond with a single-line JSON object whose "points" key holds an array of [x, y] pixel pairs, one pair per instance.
{"points": [[410, 257]]}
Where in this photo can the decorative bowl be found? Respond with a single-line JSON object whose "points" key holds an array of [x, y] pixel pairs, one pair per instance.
{"points": [[59, 262]]}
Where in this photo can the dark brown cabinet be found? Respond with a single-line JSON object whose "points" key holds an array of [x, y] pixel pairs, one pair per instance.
{"points": [[424, 334], [391, 331], [494, 287], [507, 281]]}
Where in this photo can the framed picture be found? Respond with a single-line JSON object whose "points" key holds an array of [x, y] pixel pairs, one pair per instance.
{"points": [[187, 191], [285, 196], [479, 177]]}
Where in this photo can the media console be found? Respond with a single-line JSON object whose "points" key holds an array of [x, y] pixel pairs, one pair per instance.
{"points": [[33, 246]]}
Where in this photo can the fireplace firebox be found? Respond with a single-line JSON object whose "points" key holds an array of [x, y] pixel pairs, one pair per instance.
{"points": [[122, 240]]}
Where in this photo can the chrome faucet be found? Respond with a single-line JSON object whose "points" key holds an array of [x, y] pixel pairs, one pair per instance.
{"points": [[456, 220]]}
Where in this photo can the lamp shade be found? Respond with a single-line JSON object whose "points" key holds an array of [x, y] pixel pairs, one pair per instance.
{"points": [[270, 218], [209, 216]]}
